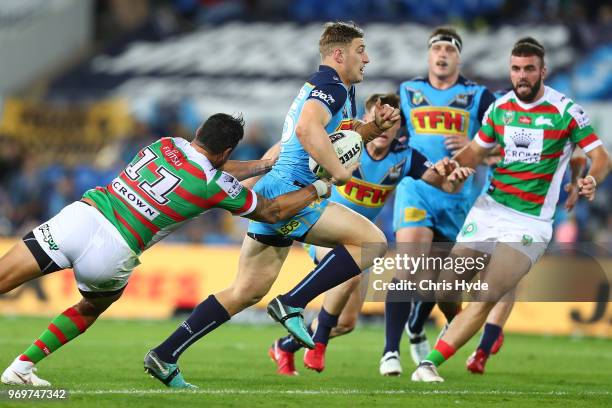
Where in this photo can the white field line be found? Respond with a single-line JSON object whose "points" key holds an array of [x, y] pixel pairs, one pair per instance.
{"points": [[337, 391]]}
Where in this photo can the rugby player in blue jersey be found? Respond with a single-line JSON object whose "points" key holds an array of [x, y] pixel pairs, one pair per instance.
{"points": [[324, 104], [383, 165], [443, 112]]}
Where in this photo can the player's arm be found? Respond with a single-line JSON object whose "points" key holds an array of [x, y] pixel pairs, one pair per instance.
{"points": [[310, 130], [600, 167], [447, 175], [421, 168], [271, 154], [582, 134], [243, 170], [472, 155], [577, 166], [288, 205], [385, 116]]}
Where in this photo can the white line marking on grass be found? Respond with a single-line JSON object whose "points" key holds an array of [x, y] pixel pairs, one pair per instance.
{"points": [[230, 391]]}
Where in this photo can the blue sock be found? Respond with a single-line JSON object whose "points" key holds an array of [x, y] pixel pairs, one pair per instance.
{"points": [[326, 322], [336, 267], [419, 315], [206, 317], [490, 334], [289, 344], [396, 316]]}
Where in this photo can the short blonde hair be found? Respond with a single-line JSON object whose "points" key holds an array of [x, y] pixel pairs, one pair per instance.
{"points": [[336, 34]]}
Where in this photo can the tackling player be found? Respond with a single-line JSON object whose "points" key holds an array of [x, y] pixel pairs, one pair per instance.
{"points": [[443, 112], [383, 165], [537, 128], [101, 236]]}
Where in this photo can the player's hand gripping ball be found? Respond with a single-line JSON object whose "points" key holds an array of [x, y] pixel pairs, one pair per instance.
{"points": [[348, 146]]}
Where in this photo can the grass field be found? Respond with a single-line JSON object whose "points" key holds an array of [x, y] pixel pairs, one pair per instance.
{"points": [[103, 368]]}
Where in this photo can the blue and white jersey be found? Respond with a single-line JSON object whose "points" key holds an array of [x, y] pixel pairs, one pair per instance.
{"points": [[374, 180], [326, 88], [433, 114]]}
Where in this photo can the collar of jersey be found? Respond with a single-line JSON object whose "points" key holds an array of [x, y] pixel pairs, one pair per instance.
{"points": [[533, 104], [460, 81]]}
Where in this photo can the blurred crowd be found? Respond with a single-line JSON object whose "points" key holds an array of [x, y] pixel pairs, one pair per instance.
{"points": [[171, 15]]}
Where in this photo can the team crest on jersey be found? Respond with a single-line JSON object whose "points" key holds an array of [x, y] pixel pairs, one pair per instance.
{"points": [[395, 172], [462, 100], [440, 121], [508, 117], [542, 121], [417, 98], [523, 144]]}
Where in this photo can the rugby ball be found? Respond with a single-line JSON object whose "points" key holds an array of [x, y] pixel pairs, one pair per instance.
{"points": [[348, 146]]}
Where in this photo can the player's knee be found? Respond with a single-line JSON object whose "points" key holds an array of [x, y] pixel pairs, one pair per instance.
{"points": [[481, 309], [345, 326], [7, 283], [94, 307], [247, 296]]}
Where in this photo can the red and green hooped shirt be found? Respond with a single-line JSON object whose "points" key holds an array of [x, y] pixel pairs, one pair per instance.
{"points": [[537, 141], [166, 184]]}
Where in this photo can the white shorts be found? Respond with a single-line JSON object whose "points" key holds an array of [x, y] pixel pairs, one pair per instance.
{"points": [[82, 238], [489, 222]]}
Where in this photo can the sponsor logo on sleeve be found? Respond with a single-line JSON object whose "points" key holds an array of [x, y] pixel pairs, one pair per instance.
{"points": [[322, 96], [579, 115], [229, 184]]}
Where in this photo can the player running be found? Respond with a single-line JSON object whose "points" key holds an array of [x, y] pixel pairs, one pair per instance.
{"points": [[492, 338], [324, 104], [383, 165], [102, 235], [443, 112], [537, 128]]}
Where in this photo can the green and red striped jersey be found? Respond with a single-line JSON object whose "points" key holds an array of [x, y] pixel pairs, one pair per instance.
{"points": [[537, 140], [166, 184]]}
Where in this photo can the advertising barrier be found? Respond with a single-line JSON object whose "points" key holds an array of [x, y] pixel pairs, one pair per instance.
{"points": [[175, 277]]}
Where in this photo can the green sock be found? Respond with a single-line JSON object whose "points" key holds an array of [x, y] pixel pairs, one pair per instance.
{"points": [[61, 330], [442, 351]]}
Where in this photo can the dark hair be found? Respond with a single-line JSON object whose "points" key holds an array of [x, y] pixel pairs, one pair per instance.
{"points": [[338, 33], [219, 132], [528, 46], [445, 33], [390, 99]]}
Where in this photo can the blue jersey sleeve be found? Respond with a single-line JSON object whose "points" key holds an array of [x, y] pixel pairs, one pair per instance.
{"points": [[332, 96], [418, 165], [486, 99]]}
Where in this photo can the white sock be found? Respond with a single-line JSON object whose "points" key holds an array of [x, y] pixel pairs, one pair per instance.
{"points": [[22, 367]]}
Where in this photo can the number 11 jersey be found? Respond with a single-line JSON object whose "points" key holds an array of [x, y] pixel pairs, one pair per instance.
{"points": [[166, 184]]}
